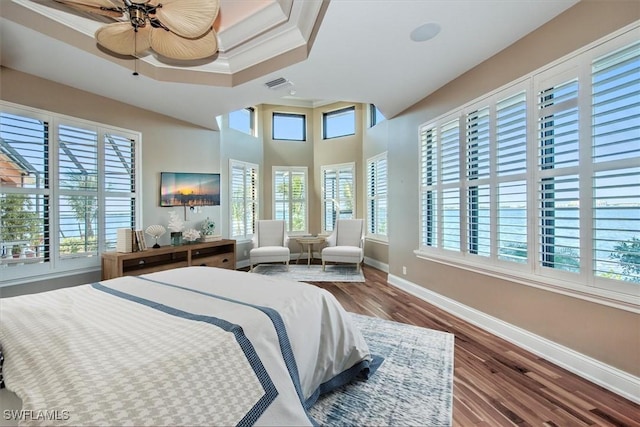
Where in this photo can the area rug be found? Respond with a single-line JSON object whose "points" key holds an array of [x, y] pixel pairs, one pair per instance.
{"points": [[311, 273], [412, 387]]}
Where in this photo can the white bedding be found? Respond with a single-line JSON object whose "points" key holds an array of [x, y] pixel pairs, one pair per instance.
{"points": [[190, 346]]}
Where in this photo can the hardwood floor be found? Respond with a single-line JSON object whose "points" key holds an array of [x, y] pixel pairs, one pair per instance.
{"points": [[495, 383]]}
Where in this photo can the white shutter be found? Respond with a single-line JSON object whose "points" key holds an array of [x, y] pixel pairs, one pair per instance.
{"points": [[450, 152], [244, 198], [330, 194], [290, 197], [558, 179], [24, 190], [338, 193], [451, 219], [78, 187], [298, 188], [616, 159], [478, 169], [119, 186], [511, 173], [377, 195], [428, 191]]}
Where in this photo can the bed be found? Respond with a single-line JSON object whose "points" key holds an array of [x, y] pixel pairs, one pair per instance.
{"points": [[188, 346]]}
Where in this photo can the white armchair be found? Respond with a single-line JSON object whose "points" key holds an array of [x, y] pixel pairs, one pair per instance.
{"points": [[346, 243], [270, 243]]}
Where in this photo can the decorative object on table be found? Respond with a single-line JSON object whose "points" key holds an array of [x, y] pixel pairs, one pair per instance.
{"points": [[140, 244], [176, 225], [207, 229], [156, 231], [176, 29], [191, 235], [124, 242]]}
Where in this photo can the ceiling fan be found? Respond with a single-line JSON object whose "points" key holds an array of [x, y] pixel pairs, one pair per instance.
{"points": [[176, 29]]}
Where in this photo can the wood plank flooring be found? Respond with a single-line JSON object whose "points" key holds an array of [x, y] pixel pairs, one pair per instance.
{"points": [[495, 382]]}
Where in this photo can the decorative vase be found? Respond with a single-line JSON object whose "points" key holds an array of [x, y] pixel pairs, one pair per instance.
{"points": [[176, 238]]}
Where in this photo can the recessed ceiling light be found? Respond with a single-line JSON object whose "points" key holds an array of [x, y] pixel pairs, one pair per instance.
{"points": [[425, 32]]}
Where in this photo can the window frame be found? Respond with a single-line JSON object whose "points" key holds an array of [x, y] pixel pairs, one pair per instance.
{"points": [[252, 121], [375, 115], [586, 283], [337, 168], [291, 170], [301, 116], [326, 117], [375, 193], [251, 196], [54, 263]]}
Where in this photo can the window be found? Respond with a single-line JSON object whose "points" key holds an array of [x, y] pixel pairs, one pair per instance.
{"points": [[290, 197], [66, 186], [289, 127], [375, 115], [550, 169], [244, 198], [377, 196], [339, 123], [243, 120], [338, 193]]}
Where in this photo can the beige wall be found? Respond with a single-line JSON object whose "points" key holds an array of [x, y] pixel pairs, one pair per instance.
{"points": [[376, 139], [346, 149], [604, 333], [289, 154]]}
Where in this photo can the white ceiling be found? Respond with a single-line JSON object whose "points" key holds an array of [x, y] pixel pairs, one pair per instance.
{"points": [[361, 53]]}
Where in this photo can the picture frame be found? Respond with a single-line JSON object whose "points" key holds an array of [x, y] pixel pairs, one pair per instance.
{"points": [[189, 189]]}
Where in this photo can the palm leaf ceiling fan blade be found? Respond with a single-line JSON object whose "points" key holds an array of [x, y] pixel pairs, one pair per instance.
{"points": [[99, 7], [188, 18], [173, 46], [123, 39], [177, 29]]}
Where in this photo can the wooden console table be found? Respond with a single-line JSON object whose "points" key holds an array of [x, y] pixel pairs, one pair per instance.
{"points": [[220, 253]]}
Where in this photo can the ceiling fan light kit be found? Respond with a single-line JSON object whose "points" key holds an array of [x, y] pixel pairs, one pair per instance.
{"points": [[176, 29]]}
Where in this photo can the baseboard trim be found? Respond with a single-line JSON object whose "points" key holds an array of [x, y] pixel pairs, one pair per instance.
{"points": [[609, 377], [377, 264]]}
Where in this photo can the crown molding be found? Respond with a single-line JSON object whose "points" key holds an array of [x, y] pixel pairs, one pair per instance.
{"points": [[273, 35]]}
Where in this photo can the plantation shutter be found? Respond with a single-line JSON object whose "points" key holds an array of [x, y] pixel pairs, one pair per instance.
{"points": [[338, 193], [281, 182], [377, 195], [616, 162], [24, 188], [558, 179], [478, 164], [119, 186], [298, 196], [244, 198], [78, 187], [428, 189], [290, 197], [450, 184], [511, 171], [330, 190]]}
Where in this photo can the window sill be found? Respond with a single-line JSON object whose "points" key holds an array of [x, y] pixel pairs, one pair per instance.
{"points": [[592, 294], [377, 239]]}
